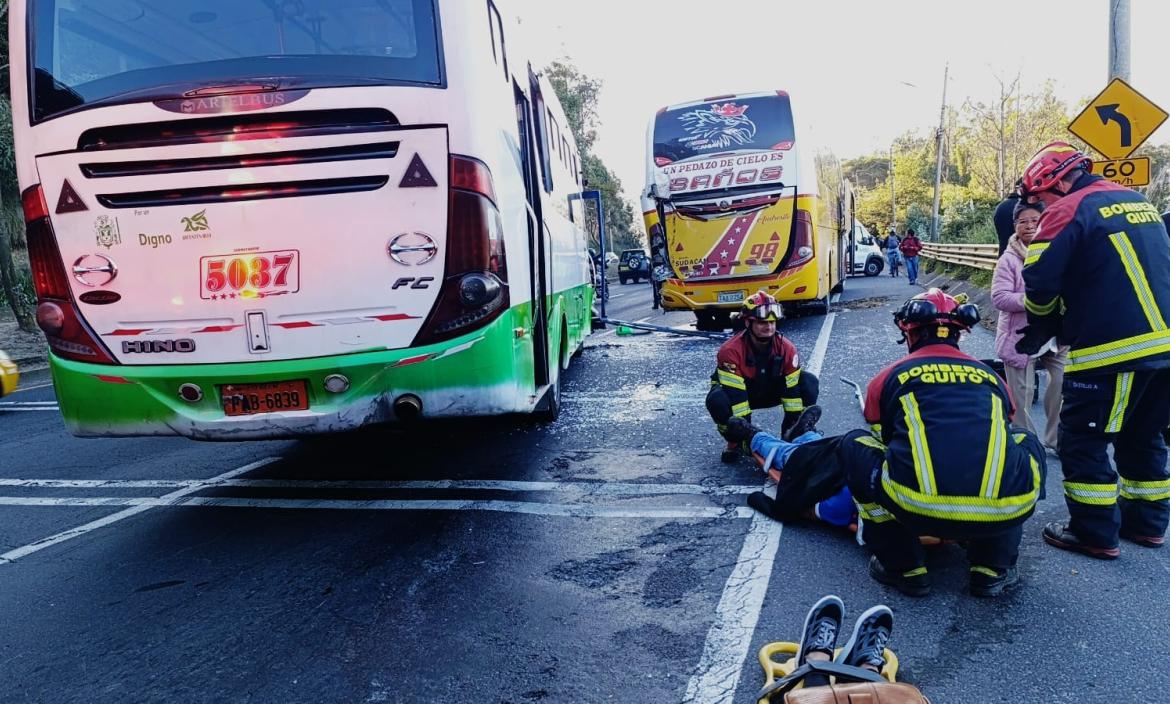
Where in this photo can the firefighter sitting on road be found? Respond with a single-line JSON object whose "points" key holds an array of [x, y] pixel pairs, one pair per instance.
{"points": [[758, 368], [1097, 277], [941, 460]]}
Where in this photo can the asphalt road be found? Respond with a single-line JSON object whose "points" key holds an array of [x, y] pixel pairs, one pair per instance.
{"points": [[608, 556]]}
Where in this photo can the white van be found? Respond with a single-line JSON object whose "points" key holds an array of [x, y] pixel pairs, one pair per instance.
{"points": [[865, 256]]}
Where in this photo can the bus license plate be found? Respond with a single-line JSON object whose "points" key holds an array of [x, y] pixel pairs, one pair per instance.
{"points": [[250, 399], [730, 296]]}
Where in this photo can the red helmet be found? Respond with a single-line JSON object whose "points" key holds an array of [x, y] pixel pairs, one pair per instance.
{"points": [[762, 306], [1049, 165], [936, 308]]}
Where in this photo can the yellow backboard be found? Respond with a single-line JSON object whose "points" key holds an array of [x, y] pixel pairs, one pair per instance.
{"points": [[1118, 120]]}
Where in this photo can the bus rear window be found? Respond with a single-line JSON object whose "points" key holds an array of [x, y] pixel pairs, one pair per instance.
{"points": [[762, 122], [89, 52]]}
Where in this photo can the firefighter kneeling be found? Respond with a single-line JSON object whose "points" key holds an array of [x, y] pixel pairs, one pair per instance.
{"points": [[758, 368], [942, 459]]}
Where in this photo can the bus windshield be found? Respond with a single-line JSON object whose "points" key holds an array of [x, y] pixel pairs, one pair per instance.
{"points": [[761, 122], [91, 52]]}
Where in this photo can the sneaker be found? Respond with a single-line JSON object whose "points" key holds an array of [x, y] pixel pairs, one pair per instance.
{"points": [[739, 431], [1146, 541], [1059, 536], [871, 633], [821, 627], [806, 421], [987, 582], [915, 582]]}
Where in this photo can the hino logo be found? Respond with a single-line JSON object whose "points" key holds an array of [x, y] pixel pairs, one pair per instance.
{"points": [[157, 346]]}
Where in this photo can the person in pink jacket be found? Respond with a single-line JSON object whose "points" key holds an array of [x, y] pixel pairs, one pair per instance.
{"points": [[1007, 294]]}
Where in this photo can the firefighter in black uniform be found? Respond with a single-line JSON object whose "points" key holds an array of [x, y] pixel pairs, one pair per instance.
{"points": [[758, 368], [940, 459], [1097, 277]]}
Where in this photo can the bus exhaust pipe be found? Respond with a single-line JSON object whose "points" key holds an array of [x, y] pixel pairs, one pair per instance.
{"points": [[408, 407]]}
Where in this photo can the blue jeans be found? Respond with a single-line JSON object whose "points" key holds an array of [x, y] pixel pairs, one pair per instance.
{"points": [[763, 443], [912, 268]]}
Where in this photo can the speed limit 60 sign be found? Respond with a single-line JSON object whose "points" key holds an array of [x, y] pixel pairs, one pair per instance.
{"points": [[1126, 172]]}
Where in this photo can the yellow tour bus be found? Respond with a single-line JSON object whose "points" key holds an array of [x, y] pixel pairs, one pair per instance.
{"points": [[739, 198]]}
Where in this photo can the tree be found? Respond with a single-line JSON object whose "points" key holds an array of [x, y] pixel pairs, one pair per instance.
{"points": [[579, 94]]}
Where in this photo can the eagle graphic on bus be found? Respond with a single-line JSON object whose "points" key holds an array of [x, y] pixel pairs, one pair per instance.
{"points": [[719, 127]]}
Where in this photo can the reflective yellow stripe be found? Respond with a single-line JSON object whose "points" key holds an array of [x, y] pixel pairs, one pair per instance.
{"points": [[1120, 401], [1034, 251], [1145, 491], [1091, 494], [735, 381], [996, 451], [1131, 348], [877, 429], [741, 409], [871, 442], [1040, 309], [1137, 277], [984, 570], [917, 571], [874, 513], [793, 404], [792, 380], [918, 447], [963, 508]]}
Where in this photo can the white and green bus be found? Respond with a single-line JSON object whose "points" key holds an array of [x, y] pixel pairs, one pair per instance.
{"points": [[268, 218]]}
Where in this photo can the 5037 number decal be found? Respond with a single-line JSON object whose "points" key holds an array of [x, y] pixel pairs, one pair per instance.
{"points": [[250, 275]]}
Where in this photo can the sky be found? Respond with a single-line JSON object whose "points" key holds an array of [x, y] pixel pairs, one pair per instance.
{"points": [[863, 72]]}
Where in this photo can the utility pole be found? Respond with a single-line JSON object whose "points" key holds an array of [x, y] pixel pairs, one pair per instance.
{"points": [[893, 203], [938, 164], [1119, 39]]}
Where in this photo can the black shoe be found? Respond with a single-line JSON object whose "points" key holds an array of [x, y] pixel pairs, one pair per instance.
{"points": [[821, 627], [988, 582], [806, 421], [1146, 541], [740, 431], [1059, 536], [732, 453], [915, 582], [871, 633]]}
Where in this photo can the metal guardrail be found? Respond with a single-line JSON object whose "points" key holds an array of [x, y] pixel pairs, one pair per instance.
{"points": [[977, 256]]}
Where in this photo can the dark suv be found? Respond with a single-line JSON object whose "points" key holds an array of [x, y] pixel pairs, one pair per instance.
{"points": [[633, 265]]}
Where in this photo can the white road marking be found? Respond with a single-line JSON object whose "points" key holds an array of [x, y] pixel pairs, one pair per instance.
{"points": [[140, 504], [18, 409], [588, 488], [836, 298], [174, 496], [717, 674], [31, 388], [28, 403]]}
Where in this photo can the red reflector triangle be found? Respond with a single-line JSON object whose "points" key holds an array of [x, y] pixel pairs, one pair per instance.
{"points": [[679, 247], [69, 202], [775, 237], [417, 175]]}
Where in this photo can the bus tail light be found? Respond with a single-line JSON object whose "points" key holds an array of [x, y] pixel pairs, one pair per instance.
{"points": [[57, 315], [475, 283], [803, 247]]}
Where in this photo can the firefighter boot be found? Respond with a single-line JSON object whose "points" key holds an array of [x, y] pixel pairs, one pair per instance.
{"points": [[915, 582], [988, 582], [1059, 536], [1146, 541], [732, 452]]}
